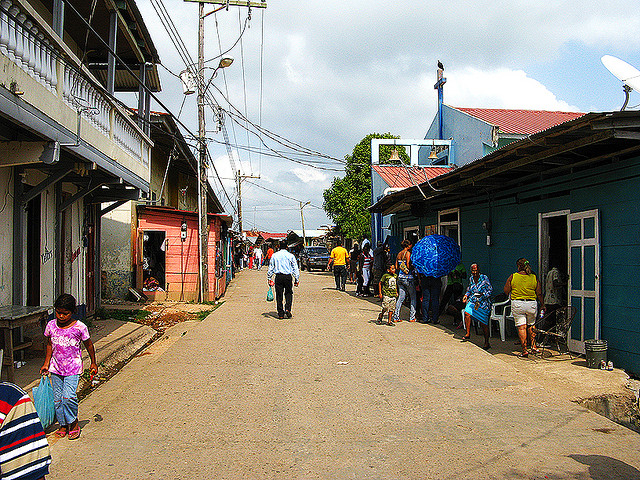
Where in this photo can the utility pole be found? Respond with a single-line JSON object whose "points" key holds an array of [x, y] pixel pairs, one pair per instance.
{"points": [[239, 179], [304, 238], [203, 223]]}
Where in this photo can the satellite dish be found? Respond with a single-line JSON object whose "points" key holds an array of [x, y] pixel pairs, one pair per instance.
{"points": [[627, 74]]}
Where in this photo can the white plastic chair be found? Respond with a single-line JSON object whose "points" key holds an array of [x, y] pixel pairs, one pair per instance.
{"points": [[500, 311]]}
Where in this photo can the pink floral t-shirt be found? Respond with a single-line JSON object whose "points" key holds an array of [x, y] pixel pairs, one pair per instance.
{"points": [[66, 358]]}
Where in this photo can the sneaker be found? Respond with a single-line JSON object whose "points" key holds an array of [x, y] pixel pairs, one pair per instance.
{"points": [[288, 314]]}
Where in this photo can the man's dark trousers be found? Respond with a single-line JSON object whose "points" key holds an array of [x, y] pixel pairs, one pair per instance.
{"points": [[340, 275], [430, 287], [283, 284]]}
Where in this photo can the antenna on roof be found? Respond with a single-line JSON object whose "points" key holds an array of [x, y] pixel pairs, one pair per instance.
{"points": [[627, 74]]}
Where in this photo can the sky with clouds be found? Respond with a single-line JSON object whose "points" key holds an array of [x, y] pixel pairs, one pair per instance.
{"points": [[320, 76]]}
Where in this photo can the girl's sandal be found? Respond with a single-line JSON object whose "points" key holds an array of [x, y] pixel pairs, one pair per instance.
{"points": [[61, 432], [74, 434], [523, 354]]}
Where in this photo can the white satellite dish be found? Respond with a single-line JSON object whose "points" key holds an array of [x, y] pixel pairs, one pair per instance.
{"points": [[627, 74]]}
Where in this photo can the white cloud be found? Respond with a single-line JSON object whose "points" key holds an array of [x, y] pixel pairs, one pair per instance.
{"points": [[500, 88], [308, 175]]}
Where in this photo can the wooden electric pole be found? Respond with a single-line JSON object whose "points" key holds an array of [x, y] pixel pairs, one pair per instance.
{"points": [[203, 222]]}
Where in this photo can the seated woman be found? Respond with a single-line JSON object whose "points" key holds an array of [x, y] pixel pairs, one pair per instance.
{"points": [[478, 303]]}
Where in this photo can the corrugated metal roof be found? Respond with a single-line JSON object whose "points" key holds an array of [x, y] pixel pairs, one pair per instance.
{"points": [[520, 122], [125, 82], [397, 176], [267, 236]]}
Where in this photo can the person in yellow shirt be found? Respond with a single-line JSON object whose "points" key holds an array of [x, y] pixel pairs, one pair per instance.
{"points": [[339, 258], [526, 295]]}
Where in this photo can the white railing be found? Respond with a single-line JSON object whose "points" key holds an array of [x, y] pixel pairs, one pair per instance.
{"points": [[128, 138], [25, 44], [28, 47], [80, 95]]}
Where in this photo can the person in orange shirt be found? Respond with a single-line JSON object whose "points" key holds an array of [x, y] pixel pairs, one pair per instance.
{"points": [[269, 253], [339, 258]]}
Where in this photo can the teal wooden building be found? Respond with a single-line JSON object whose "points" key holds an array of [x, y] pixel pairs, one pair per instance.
{"points": [[568, 195]]}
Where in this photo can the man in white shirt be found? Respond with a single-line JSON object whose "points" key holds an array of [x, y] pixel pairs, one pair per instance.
{"points": [[282, 267], [257, 253]]}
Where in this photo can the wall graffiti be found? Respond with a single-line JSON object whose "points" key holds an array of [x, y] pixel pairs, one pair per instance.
{"points": [[47, 255]]}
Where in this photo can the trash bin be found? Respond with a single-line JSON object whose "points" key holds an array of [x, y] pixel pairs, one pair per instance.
{"points": [[596, 351]]}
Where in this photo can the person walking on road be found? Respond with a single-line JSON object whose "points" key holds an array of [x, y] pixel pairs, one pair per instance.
{"points": [[283, 270], [63, 360], [257, 253], [388, 288], [339, 259]]}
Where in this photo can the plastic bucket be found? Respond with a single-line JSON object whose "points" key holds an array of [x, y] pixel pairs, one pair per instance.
{"points": [[596, 352]]}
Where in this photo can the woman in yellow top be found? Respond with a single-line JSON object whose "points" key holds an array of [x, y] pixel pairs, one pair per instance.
{"points": [[525, 292]]}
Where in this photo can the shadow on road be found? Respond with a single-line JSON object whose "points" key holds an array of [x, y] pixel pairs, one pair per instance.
{"points": [[602, 467]]}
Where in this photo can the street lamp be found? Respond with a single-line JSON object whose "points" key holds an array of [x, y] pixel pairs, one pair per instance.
{"points": [[224, 63]]}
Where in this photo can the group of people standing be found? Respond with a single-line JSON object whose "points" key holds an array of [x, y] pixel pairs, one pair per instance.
{"points": [[356, 265], [523, 288]]}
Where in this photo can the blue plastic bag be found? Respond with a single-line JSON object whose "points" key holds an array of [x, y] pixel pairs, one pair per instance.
{"points": [[43, 400], [270, 295]]}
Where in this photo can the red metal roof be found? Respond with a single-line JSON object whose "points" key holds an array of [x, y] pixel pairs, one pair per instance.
{"points": [[520, 122], [397, 176], [267, 236]]}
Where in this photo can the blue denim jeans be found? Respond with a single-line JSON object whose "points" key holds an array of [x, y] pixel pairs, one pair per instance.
{"points": [[65, 398], [430, 287], [406, 287]]}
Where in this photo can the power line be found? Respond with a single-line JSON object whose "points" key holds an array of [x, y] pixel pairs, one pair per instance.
{"points": [[281, 194]]}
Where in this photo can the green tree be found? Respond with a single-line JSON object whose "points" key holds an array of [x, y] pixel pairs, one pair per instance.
{"points": [[347, 199]]}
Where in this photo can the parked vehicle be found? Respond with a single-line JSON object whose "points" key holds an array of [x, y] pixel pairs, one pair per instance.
{"points": [[314, 257]]}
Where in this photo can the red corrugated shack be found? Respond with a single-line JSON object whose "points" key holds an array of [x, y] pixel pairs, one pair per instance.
{"points": [[172, 262]]}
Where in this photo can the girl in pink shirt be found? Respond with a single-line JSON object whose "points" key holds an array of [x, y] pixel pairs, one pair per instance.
{"points": [[63, 360]]}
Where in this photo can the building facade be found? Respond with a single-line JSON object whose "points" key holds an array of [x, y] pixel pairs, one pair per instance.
{"points": [[564, 197], [152, 245], [68, 145]]}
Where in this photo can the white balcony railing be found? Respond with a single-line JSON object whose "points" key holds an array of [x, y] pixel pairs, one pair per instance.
{"points": [[25, 44], [28, 46]]}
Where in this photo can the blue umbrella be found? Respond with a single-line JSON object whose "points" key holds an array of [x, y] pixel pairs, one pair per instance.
{"points": [[435, 255]]}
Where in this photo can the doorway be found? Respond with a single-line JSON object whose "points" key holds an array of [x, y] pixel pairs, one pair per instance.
{"points": [[34, 222], [553, 245], [571, 242], [154, 259]]}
